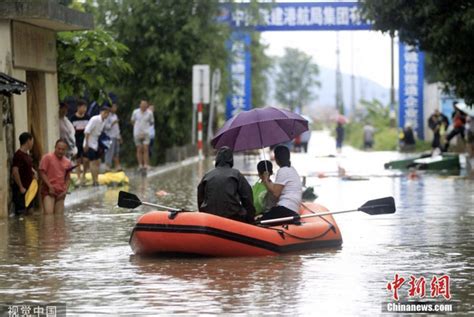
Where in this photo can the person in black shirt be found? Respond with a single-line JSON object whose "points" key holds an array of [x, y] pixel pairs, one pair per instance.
{"points": [[438, 123], [22, 172], [225, 192], [339, 136], [79, 121], [407, 139]]}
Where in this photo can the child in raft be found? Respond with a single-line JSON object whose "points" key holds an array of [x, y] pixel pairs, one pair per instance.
{"points": [[263, 200]]}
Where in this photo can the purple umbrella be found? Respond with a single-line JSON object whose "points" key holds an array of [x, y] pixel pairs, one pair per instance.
{"points": [[259, 128]]}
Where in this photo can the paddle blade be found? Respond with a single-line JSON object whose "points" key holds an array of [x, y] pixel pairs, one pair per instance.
{"points": [[379, 206], [128, 200]]}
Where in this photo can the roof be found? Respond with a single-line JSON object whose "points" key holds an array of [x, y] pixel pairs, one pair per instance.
{"points": [[47, 14], [10, 85]]}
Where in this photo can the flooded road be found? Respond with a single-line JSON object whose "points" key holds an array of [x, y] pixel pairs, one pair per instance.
{"points": [[83, 258]]}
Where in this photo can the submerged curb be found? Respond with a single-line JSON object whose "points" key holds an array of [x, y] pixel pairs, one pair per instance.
{"points": [[80, 195]]}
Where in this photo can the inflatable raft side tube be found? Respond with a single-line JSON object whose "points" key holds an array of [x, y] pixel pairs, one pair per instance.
{"points": [[309, 244]]}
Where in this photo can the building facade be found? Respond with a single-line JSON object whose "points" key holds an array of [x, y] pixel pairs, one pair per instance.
{"points": [[28, 53]]}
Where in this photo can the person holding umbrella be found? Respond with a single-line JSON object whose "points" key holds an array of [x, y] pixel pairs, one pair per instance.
{"points": [[287, 187], [262, 127]]}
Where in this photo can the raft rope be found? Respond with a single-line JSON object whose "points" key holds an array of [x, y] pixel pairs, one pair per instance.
{"points": [[313, 212], [283, 233]]}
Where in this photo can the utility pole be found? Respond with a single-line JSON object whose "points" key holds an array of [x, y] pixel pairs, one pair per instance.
{"points": [[200, 97], [392, 85], [215, 83], [199, 112], [353, 98], [339, 101]]}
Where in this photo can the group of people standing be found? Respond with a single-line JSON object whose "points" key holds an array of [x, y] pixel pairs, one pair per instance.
{"points": [[439, 124], [225, 192], [86, 137], [90, 137]]}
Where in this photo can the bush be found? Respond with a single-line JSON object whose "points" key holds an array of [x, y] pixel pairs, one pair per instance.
{"points": [[386, 138]]}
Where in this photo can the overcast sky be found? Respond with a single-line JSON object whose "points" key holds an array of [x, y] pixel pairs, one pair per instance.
{"points": [[366, 53]]}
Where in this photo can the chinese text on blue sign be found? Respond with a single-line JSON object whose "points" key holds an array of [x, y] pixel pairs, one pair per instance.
{"points": [[411, 89], [239, 98], [300, 16]]}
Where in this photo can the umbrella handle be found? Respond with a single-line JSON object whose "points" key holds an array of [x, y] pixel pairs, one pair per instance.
{"points": [[265, 159]]}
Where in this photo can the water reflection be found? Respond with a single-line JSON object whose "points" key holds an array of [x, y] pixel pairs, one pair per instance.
{"points": [[111, 194], [82, 257], [221, 286]]}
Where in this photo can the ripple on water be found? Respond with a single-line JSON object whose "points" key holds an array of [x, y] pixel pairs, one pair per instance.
{"points": [[83, 258]]}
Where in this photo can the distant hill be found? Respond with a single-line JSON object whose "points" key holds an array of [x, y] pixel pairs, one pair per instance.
{"points": [[364, 89]]}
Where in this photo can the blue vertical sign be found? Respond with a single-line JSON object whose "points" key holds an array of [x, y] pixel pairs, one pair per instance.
{"points": [[411, 62], [240, 72]]}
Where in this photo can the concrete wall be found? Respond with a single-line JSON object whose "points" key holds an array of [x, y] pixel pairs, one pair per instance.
{"points": [[20, 108], [5, 45], [5, 65], [3, 168], [52, 108]]}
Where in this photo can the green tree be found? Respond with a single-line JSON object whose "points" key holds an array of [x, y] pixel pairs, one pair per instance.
{"points": [[261, 64], [376, 114], [444, 29], [296, 77], [89, 61], [166, 38]]}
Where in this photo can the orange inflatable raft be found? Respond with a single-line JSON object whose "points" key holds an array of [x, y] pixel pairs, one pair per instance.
{"points": [[157, 232]]}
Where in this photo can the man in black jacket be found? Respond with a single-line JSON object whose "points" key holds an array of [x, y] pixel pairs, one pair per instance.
{"points": [[225, 192]]}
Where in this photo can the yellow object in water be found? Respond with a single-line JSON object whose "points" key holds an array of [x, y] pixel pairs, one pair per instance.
{"points": [[109, 178], [31, 192]]}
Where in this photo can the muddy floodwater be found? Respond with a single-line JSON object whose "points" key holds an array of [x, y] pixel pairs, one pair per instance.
{"points": [[82, 257]]}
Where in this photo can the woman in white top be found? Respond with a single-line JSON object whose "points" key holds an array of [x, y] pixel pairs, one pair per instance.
{"points": [[287, 187]]}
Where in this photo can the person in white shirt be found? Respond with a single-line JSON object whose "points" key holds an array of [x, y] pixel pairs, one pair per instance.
{"points": [[66, 130], [92, 132], [142, 119], [287, 188], [112, 129]]}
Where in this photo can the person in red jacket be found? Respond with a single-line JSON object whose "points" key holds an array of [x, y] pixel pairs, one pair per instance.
{"points": [[459, 120]]}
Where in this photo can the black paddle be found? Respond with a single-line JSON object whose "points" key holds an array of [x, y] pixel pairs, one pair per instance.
{"points": [[131, 201], [379, 206]]}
